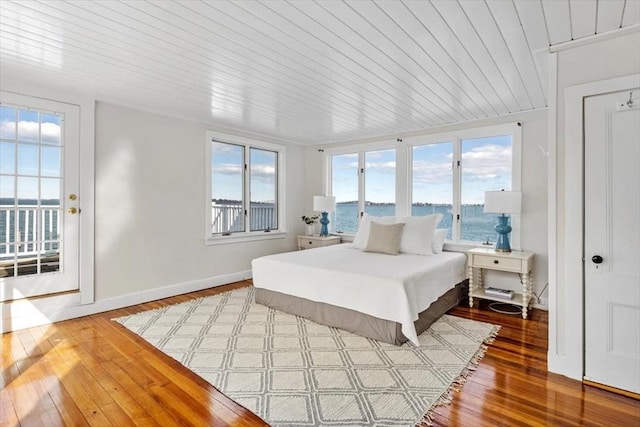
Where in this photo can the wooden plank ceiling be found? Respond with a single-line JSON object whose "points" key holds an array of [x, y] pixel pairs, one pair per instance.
{"points": [[303, 71]]}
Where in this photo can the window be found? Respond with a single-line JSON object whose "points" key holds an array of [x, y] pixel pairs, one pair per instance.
{"points": [[375, 173], [30, 186], [422, 175], [263, 190], [432, 183], [344, 182], [380, 182], [245, 187], [486, 165], [451, 175]]}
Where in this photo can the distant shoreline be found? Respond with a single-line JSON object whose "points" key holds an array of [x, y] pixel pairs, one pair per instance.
{"points": [[349, 203]]}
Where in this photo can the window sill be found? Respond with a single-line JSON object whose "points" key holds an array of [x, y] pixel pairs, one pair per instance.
{"points": [[449, 246], [240, 238], [346, 237]]}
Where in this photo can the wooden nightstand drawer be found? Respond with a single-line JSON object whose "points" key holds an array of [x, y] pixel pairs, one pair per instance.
{"points": [[307, 244], [310, 242], [498, 263]]}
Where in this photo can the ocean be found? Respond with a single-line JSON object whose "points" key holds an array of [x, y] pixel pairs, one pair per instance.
{"points": [[476, 225]]}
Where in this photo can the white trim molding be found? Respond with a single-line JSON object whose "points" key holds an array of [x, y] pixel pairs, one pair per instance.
{"points": [[595, 38], [566, 339], [21, 314], [552, 220], [281, 180]]}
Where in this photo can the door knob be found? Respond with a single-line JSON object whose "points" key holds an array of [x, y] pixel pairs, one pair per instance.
{"points": [[72, 211], [597, 259]]}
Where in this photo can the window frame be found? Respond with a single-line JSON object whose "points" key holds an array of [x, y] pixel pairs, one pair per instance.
{"points": [[361, 151], [404, 171], [247, 234]]}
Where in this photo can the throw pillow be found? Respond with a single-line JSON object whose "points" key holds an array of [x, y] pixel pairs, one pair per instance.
{"points": [[384, 238], [362, 236], [417, 236], [439, 237]]}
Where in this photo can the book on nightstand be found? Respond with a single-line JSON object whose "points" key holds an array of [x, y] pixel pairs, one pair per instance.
{"points": [[499, 293]]}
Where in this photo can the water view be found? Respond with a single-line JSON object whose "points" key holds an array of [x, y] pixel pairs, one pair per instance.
{"points": [[476, 225]]}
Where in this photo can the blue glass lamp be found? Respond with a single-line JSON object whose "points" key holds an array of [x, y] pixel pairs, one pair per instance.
{"points": [[324, 205], [502, 202]]}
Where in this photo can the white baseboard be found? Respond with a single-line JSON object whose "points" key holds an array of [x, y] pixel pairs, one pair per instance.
{"points": [[28, 313]]}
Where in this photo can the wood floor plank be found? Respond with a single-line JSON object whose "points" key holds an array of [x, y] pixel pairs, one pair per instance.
{"points": [[8, 416], [93, 371], [67, 408]]}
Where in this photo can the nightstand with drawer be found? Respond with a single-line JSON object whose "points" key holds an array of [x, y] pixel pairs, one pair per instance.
{"points": [[519, 262], [309, 242]]}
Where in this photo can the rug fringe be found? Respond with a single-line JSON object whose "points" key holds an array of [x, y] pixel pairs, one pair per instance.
{"points": [[456, 386]]}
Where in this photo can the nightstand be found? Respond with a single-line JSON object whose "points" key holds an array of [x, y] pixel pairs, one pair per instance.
{"points": [[519, 262], [309, 242]]}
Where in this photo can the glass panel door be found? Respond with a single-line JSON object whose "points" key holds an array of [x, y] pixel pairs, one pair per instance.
{"points": [[37, 237]]}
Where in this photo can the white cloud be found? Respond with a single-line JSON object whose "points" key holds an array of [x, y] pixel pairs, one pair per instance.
{"points": [[28, 131], [481, 163], [487, 162], [50, 133], [229, 150], [263, 173], [429, 173], [228, 169], [8, 129], [384, 167], [346, 166]]}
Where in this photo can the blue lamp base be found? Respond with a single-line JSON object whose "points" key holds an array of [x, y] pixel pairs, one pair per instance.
{"points": [[324, 231], [503, 229]]}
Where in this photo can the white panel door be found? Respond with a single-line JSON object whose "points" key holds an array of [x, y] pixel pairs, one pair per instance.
{"points": [[39, 199], [612, 240]]}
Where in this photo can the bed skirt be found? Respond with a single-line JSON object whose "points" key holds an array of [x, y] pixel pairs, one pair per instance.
{"points": [[359, 323]]}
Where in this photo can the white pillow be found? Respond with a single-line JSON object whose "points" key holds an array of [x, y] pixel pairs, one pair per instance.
{"points": [[384, 238], [439, 237], [417, 235], [362, 236]]}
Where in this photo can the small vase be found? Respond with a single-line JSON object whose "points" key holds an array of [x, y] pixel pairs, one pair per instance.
{"points": [[310, 229]]}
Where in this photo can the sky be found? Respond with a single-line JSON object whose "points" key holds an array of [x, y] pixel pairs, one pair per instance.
{"points": [[30, 154], [486, 165], [227, 162]]}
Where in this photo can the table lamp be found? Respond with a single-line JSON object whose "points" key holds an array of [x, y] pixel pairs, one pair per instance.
{"points": [[324, 205], [502, 202]]}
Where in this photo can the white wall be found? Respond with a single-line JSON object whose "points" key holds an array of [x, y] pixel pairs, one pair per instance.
{"points": [[149, 198], [150, 201], [602, 60], [534, 188]]}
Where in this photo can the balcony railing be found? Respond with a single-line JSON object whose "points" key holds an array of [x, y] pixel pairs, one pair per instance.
{"points": [[28, 230], [37, 227], [229, 218], [29, 239]]}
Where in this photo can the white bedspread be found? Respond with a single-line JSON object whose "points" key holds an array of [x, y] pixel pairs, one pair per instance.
{"points": [[395, 288]]}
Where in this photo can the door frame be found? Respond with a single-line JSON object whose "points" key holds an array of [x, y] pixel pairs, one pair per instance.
{"points": [[19, 314], [569, 299]]}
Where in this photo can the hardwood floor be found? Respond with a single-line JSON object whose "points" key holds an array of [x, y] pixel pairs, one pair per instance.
{"points": [[92, 371]]}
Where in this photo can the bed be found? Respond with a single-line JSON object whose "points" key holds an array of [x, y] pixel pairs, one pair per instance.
{"points": [[387, 298]]}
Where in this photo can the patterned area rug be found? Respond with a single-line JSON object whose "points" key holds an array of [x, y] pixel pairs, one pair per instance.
{"points": [[293, 372]]}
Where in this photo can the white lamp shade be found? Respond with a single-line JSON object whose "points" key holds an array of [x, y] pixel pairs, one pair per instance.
{"points": [[504, 202], [324, 203]]}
